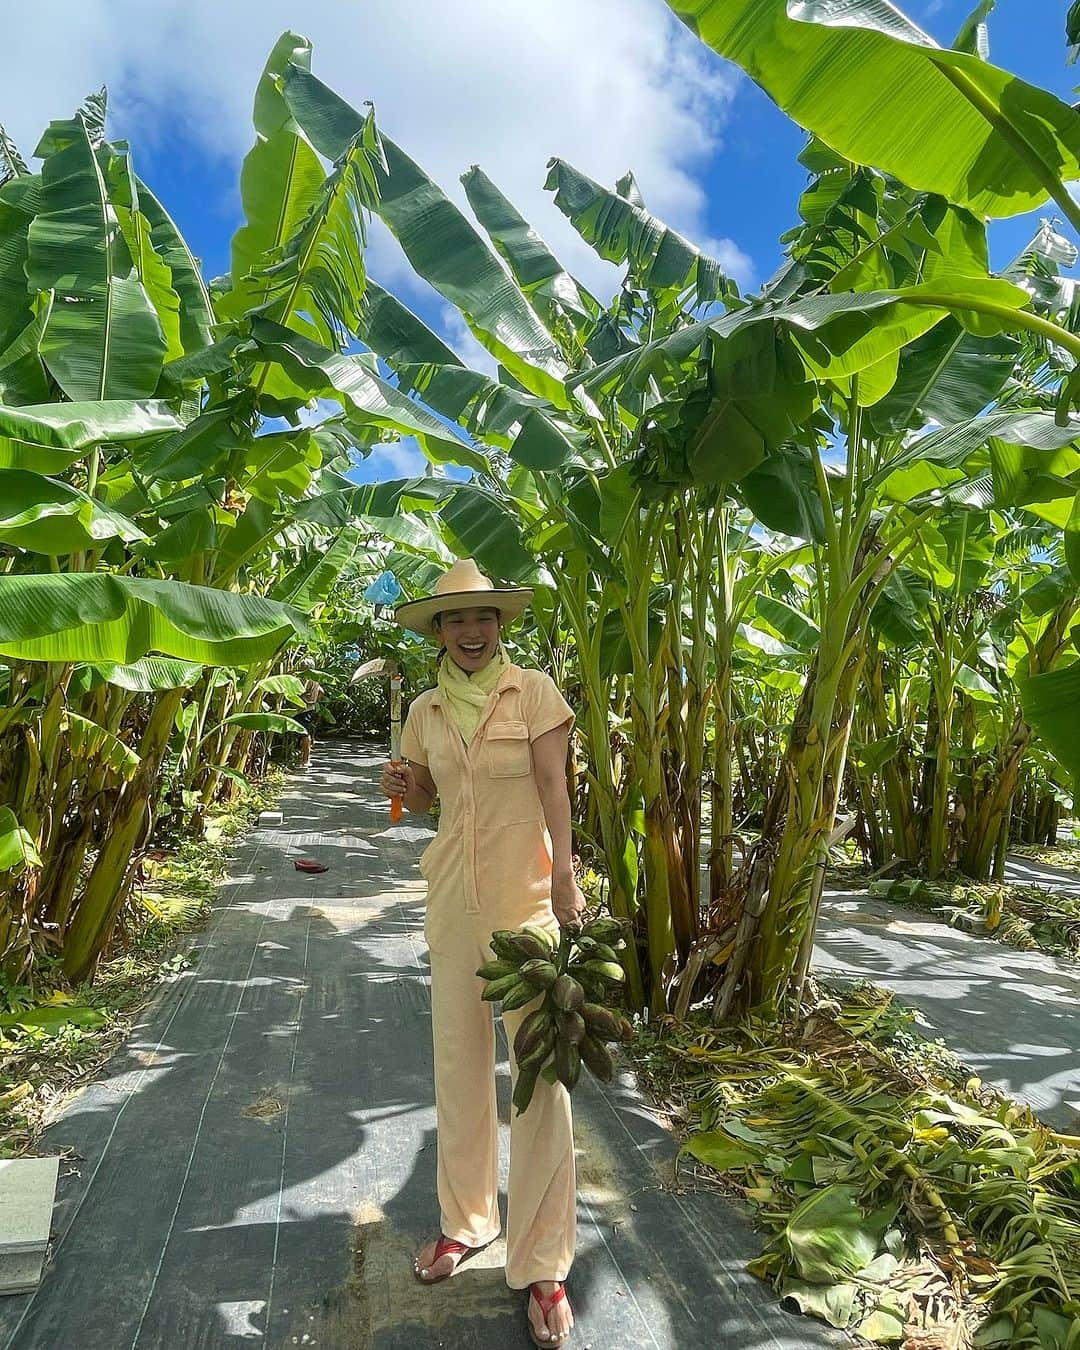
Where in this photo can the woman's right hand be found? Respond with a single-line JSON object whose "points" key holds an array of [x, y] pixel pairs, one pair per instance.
{"points": [[397, 779]]}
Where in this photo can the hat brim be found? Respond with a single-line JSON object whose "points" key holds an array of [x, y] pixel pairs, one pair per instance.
{"points": [[418, 615]]}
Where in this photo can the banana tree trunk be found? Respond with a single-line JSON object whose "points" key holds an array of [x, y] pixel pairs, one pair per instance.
{"points": [[807, 815], [108, 884], [996, 805], [983, 837], [938, 841], [722, 791]]}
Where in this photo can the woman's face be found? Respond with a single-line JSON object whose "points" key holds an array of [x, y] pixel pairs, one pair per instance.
{"points": [[470, 636]]}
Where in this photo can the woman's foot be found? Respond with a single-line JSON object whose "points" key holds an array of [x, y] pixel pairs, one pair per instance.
{"points": [[550, 1317], [441, 1258]]}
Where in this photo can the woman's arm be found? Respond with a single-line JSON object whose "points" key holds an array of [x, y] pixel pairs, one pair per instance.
{"points": [[549, 767]]}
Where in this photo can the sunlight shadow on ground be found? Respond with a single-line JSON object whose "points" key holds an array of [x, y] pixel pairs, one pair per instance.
{"points": [[1011, 1015], [258, 1161]]}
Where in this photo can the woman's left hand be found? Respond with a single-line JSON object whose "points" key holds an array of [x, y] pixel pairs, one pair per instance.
{"points": [[567, 900]]}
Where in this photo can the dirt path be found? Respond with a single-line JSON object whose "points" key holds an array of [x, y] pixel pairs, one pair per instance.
{"points": [[257, 1164], [1013, 1016]]}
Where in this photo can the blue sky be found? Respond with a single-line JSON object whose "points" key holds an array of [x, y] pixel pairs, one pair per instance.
{"points": [[607, 84]]}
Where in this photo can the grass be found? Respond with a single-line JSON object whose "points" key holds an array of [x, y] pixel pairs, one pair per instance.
{"points": [[900, 1197], [40, 1066]]}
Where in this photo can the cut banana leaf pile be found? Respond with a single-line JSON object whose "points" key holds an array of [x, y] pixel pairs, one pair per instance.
{"points": [[1027, 917], [579, 981], [912, 1210]]}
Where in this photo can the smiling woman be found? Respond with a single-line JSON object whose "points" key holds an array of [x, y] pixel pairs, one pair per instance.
{"points": [[491, 738]]}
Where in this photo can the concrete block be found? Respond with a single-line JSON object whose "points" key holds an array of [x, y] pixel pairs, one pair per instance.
{"points": [[20, 1272], [27, 1191], [27, 1188], [269, 819]]}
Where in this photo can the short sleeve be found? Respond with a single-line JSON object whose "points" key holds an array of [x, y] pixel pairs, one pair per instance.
{"points": [[412, 747], [547, 709]]}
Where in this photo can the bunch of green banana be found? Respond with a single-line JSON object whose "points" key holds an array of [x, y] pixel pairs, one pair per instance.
{"points": [[579, 981]]}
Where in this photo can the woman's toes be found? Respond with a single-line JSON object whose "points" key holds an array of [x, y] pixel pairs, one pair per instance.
{"points": [[422, 1264]]}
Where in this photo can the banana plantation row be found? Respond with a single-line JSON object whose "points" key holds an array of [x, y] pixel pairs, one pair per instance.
{"points": [[807, 560]]}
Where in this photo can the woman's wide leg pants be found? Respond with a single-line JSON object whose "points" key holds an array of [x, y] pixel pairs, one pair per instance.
{"points": [[541, 1198]]}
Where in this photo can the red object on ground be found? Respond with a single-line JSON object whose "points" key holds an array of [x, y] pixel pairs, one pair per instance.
{"points": [[309, 865]]}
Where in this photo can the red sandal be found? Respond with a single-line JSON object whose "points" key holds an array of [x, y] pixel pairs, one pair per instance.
{"points": [[546, 1302], [447, 1247]]}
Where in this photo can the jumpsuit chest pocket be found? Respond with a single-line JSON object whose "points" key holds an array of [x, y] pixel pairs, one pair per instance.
{"points": [[508, 752]]}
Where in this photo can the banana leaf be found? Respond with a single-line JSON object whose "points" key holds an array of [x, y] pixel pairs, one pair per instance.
{"points": [[440, 243], [554, 294], [23, 377], [196, 313], [1050, 702], [839, 335], [308, 584], [45, 515], [17, 849], [264, 721], [88, 740], [830, 1238], [53, 1018], [20, 201], [96, 617], [367, 399], [946, 376], [879, 91], [74, 428], [951, 446], [198, 450], [280, 181], [400, 338], [151, 269], [320, 269], [148, 675], [104, 339], [657, 258], [795, 628], [290, 687]]}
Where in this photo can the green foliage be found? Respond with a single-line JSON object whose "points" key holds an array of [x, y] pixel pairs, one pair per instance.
{"points": [[886, 1187], [53, 1036], [155, 571]]}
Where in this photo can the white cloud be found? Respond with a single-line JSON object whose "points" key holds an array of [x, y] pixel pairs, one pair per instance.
{"points": [[737, 264], [460, 337], [394, 459], [605, 84]]}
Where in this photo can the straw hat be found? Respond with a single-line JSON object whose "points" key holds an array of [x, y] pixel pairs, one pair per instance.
{"points": [[462, 586]]}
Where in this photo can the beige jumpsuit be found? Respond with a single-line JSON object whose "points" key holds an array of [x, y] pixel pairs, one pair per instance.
{"points": [[489, 866]]}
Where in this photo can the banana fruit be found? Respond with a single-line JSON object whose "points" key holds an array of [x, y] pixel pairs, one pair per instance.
{"points": [[577, 978]]}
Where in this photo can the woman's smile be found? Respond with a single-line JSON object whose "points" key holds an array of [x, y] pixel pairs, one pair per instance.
{"points": [[470, 636]]}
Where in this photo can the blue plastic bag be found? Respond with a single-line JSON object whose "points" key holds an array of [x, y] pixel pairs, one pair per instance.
{"points": [[384, 590]]}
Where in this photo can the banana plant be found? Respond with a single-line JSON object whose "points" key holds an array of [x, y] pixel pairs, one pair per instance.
{"points": [[150, 532], [884, 317]]}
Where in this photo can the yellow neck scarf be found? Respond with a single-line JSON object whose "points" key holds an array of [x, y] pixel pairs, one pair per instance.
{"points": [[466, 696]]}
